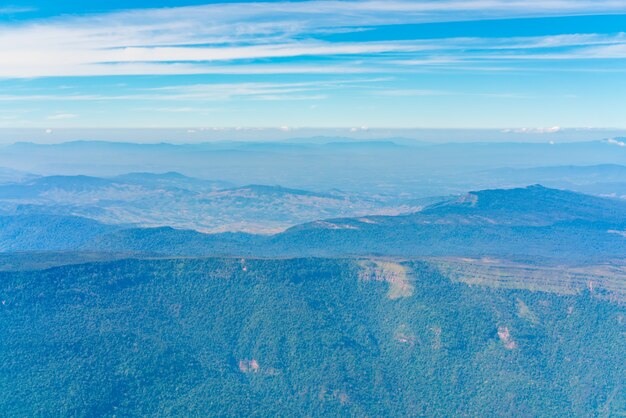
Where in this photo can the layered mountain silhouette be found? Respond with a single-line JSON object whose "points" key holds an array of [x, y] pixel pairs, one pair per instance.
{"points": [[173, 199], [517, 223], [507, 300]]}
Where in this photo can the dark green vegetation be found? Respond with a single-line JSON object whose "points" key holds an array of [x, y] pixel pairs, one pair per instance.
{"points": [[497, 303], [300, 337], [515, 223], [533, 222], [48, 232], [233, 186]]}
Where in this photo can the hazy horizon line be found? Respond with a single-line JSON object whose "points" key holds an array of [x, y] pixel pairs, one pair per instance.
{"points": [[194, 135]]}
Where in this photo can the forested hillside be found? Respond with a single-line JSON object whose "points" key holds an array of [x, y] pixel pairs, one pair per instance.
{"points": [[522, 223], [313, 208], [321, 337]]}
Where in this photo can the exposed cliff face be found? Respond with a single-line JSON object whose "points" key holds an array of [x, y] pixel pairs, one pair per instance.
{"points": [[326, 337]]}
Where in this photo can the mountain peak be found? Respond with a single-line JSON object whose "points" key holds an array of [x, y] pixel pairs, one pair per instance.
{"points": [[534, 204]]}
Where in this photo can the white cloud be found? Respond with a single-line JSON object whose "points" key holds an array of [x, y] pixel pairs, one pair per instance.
{"points": [[62, 116], [10, 10], [265, 91], [617, 142], [549, 130], [213, 38]]}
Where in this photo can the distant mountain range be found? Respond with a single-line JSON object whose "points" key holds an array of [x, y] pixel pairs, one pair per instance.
{"points": [[382, 166], [533, 221], [515, 224], [509, 301], [172, 199], [602, 179]]}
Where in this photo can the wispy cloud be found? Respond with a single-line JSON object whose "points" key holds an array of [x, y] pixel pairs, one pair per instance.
{"points": [[262, 91], [11, 10], [617, 142], [418, 93], [542, 130], [217, 38], [62, 116]]}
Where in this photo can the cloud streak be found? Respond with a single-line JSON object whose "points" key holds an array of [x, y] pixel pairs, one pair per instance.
{"points": [[11, 10], [246, 37], [62, 116], [262, 91]]}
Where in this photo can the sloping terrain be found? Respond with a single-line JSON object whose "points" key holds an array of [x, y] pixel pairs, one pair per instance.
{"points": [[497, 303], [600, 179], [172, 199], [604, 280], [323, 337], [531, 206], [520, 224], [48, 232]]}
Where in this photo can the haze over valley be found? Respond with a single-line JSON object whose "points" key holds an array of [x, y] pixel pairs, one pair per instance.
{"points": [[313, 208]]}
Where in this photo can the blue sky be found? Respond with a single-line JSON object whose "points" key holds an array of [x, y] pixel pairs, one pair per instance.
{"points": [[527, 66]]}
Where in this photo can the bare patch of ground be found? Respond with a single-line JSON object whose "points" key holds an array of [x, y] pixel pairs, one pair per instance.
{"points": [[505, 336], [605, 280], [396, 274]]}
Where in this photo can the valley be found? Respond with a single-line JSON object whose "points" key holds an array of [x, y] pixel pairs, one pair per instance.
{"points": [[313, 208], [171, 199], [177, 295]]}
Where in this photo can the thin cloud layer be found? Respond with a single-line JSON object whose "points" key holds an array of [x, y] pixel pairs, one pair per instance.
{"points": [[217, 38], [361, 62]]}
